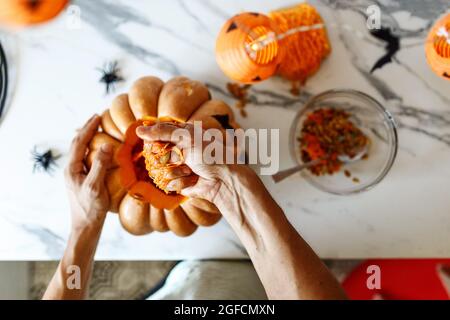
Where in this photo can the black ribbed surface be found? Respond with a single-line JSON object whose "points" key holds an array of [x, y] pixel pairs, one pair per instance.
{"points": [[3, 79]]}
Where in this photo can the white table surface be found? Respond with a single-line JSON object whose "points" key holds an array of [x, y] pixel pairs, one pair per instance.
{"points": [[57, 89]]}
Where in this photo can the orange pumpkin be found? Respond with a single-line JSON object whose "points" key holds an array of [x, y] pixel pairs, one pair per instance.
{"points": [[142, 206], [437, 47], [28, 12]]}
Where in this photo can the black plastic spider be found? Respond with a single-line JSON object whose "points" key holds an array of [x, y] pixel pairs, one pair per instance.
{"points": [[110, 75], [44, 161]]}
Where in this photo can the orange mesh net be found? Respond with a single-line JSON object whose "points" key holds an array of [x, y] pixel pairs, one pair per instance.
{"points": [[304, 50]]}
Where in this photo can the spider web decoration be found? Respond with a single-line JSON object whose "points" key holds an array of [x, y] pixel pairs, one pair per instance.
{"points": [[3, 79]]}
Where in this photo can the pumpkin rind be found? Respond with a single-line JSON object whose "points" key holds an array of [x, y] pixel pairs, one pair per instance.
{"points": [[179, 223], [180, 97], [121, 113], [158, 219], [144, 96], [115, 189], [109, 127], [135, 216]]}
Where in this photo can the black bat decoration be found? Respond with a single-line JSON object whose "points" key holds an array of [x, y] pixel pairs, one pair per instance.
{"points": [[392, 46], [110, 75], [45, 161]]}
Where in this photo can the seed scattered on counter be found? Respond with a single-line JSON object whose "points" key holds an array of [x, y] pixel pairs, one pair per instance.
{"points": [[295, 88], [239, 92], [347, 173]]}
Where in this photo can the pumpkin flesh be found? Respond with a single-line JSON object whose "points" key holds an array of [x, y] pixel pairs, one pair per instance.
{"points": [[134, 175]]}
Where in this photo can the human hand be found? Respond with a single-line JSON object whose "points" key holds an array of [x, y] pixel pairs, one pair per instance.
{"points": [[212, 176], [88, 196]]}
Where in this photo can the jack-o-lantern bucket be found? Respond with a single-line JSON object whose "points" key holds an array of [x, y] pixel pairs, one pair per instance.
{"points": [[437, 47]]}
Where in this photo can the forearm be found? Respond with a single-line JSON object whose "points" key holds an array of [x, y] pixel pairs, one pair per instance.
{"points": [[72, 277], [286, 265]]}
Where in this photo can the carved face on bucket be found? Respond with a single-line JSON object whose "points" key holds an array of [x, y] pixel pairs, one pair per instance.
{"points": [[139, 194]]}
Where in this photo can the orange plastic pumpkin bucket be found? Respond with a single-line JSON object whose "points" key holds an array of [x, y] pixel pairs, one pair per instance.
{"points": [[437, 47], [29, 12]]}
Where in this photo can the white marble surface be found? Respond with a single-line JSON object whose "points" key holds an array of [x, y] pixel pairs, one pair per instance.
{"points": [[407, 215]]}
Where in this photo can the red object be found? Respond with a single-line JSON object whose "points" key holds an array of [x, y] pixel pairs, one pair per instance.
{"points": [[401, 279]]}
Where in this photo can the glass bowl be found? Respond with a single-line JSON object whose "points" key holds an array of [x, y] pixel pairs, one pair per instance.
{"points": [[376, 123]]}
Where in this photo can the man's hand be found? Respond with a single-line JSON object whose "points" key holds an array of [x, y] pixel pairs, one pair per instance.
{"points": [[211, 177], [88, 196], [286, 265]]}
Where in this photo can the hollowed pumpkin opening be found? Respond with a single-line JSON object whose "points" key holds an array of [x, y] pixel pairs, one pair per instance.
{"points": [[134, 175]]}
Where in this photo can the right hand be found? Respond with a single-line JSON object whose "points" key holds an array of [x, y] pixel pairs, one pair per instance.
{"points": [[215, 180]]}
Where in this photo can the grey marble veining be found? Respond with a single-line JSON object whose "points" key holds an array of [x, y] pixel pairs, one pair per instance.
{"points": [[57, 89]]}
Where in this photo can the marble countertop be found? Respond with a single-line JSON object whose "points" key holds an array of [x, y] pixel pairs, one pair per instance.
{"points": [[55, 78]]}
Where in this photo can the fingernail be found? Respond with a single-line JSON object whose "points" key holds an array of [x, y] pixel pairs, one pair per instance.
{"points": [[106, 148], [140, 130]]}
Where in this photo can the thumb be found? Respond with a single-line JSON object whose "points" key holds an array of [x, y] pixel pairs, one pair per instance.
{"points": [[101, 163]]}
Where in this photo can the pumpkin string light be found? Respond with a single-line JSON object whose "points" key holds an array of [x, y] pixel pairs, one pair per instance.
{"points": [[290, 42]]}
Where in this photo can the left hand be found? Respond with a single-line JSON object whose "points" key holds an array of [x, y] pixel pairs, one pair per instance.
{"points": [[89, 198]]}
